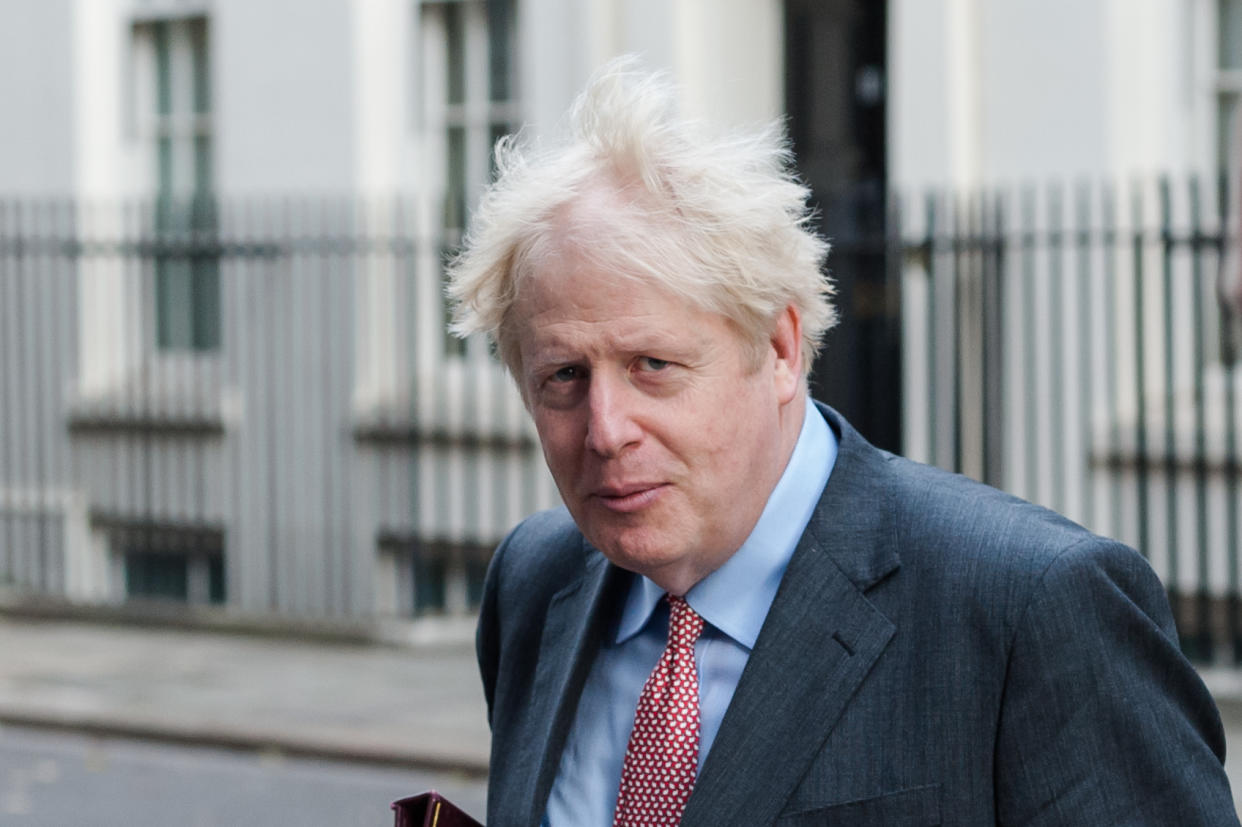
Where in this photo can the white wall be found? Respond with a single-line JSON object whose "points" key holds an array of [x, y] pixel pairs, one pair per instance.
{"points": [[283, 102], [36, 81], [726, 55], [1030, 90]]}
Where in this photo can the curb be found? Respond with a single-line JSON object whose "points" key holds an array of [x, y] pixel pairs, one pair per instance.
{"points": [[400, 633], [223, 737]]}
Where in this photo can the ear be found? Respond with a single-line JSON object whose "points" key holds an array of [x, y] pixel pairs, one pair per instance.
{"points": [[786, 342]]}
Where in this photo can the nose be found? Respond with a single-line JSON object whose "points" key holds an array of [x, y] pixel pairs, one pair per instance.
{"points": [[611, 422]]}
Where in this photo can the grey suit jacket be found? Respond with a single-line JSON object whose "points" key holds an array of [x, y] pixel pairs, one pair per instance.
{"points": [[938, 653]]}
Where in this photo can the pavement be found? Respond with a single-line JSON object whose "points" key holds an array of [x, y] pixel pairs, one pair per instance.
{"points": [[414, 704], [419, 706]]}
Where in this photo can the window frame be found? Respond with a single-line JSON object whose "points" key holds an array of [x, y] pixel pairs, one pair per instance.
{"points": [[171, 119], [460, 134]]}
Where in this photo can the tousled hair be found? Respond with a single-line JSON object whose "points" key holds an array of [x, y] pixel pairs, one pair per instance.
{"points": [[718, 219]]}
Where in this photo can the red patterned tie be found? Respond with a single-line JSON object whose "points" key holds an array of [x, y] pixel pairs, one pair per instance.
{"points": [[663, 753]]}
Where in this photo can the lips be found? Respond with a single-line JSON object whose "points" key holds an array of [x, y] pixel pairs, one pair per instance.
{"points": [[628, 498]]}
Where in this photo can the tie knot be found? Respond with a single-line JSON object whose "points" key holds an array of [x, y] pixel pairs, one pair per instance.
{"points": [[684, 623]]}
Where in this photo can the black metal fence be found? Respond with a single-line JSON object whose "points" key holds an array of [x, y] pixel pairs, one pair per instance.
{"points": [[262, 410], [1077, 346], [259, 409]]}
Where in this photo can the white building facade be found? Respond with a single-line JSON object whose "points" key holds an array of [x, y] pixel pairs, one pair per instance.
{"points": [[1067, 329], [225, 375]]}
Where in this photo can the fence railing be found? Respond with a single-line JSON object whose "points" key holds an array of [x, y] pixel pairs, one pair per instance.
{"points": [[1076, 346], [263, 410]]}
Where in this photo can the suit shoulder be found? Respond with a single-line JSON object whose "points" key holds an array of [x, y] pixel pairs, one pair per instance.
{"points": [[950, 513], [544, 547]]}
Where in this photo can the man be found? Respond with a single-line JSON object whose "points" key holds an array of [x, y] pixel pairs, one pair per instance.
{"points": [[746, 614]]}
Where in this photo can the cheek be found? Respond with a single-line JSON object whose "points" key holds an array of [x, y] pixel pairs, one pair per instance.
{"points": [[745, 428], [560, 440]]}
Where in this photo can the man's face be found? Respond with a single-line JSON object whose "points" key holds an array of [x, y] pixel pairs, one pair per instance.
{"points": [[664, 437]]}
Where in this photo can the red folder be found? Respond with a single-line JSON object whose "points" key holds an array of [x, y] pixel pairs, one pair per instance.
{"points": [[430, 809]]}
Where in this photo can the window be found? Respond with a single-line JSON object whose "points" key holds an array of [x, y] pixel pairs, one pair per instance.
{"points": [[433, 577], [173, 120], [156, 560], [1228, 80], [165, 575], [430, 584], [468, 104], [1228, 162]]}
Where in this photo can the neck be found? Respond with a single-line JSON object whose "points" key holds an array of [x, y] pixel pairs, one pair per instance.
{"points": [[682, 576]]}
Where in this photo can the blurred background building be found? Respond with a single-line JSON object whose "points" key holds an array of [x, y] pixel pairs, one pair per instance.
{"points": [[224, 376]]}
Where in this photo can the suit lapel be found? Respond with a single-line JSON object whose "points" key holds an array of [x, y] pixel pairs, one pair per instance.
{"points": [[567, 648], [818, 642]]}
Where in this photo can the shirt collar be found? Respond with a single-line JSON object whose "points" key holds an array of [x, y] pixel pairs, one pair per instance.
{"points": [[735, 598]]}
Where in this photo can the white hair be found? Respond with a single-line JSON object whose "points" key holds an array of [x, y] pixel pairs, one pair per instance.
{"points": [[719, 219]]}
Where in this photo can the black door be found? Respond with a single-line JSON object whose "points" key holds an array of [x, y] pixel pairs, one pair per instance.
{"points": [[835, 97]]}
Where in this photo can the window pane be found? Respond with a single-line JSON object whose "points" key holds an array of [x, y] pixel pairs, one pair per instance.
{"points": [[499, 35], [215, 579], [497, 131], [1230, 32], [164, 161], [455, 45], [187, 283], [429, 584], [476, 573], [149, 574], [455, 191], [173, 303], [202, 78], [453, 345], [202, 163], [163, 70], [205, 304], [1227, 151]]}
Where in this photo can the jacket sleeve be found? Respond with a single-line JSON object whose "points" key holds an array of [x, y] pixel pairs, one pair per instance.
{"points": [[1103, 720], [487, 635]]}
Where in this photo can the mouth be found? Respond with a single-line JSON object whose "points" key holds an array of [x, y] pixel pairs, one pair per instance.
{"points": [[626, 499]]}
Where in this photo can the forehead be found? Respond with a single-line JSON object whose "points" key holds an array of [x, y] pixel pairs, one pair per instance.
{"points": [[569, 288], [572, 304]]}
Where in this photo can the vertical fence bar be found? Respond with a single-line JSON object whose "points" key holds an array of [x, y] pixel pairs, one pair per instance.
{"points": [[13, 353], [40, 275], [1167, 241], [36, 481], [148, 290], [1204, 645], [268, 277], [416, 340], [1030, 399], [1137, 240], [446, 392], [24, 564], [1086, 347], [1225, 242], [10, 243], [1112, 387], [1057, 418], [58, 304], [232, 341], [992, 228], [968, 319], [960, 292], [929, 253]]}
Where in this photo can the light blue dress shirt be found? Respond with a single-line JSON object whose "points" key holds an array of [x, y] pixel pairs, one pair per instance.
{"points": [[733, 600]]}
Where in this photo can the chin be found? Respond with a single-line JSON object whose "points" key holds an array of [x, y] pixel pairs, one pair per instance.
{"points": [[636, 554]]}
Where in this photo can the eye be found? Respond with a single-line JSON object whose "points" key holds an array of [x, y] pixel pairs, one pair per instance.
{"points": [[650, 363], [559, 388]]}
